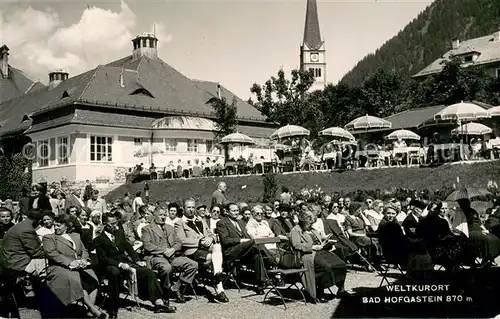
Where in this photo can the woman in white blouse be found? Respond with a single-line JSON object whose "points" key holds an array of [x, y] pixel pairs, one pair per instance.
{"points": [[47, 226], [258, 227]]}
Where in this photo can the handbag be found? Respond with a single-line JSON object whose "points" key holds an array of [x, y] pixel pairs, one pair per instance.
{"points": [[290, 260]]}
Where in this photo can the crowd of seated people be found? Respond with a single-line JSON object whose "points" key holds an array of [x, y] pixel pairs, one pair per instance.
{"points": [[164, 247]]}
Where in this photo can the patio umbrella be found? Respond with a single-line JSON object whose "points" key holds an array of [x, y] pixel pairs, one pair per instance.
{"points": [[467, 193], [237, 138], [147, 150], [462, 111], [282, 147], [403, 135], [337, 132], [289, 131], [495, 111], [367, 122], [472, 129]]}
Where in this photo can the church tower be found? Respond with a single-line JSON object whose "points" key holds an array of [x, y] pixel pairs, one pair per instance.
{"points": [[312, 50]]}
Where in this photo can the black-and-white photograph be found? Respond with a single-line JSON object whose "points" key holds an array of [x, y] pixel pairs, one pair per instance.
{"points": [[249, 159]]}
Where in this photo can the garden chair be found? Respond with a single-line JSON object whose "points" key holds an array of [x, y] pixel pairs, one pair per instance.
{"points": [[277, 276]]}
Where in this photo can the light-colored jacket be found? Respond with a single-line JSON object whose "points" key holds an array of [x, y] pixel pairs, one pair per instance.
{"points": [[302, 242], [190, 238]]}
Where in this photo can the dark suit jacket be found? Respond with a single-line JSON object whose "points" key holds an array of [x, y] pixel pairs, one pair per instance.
{"points": [[432, 229], [230, 235], [44, 203], [394, 243], [410, 225], [112, 253], [156, 240], [20, 245]]}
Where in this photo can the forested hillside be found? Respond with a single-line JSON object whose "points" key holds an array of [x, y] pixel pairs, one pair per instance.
{"points": [[428, 36]]}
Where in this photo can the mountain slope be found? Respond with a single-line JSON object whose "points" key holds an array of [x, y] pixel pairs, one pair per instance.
{"points": [[429, 36]]}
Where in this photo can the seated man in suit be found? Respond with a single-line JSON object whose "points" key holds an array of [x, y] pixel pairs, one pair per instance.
{"points": [[117, 258], [199, 243], [161, 253], [21, 247], [237, 244], [410, 223]]}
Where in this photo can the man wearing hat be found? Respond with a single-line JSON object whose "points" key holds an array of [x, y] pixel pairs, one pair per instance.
{"points": [[202, 211], [410, 223]]}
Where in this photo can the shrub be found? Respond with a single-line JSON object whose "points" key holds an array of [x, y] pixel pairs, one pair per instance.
{"points": [[15, 176], [270, 187]]}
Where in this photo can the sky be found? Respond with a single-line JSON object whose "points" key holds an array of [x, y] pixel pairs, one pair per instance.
{"points": [[234, 42]]}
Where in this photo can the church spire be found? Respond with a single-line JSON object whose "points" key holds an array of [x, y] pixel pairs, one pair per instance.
{"points": [[312, 35]]}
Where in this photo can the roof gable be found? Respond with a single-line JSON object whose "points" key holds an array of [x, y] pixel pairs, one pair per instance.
{"points": [[413, 118], [12, 111], [486, 48], [16, 84]]}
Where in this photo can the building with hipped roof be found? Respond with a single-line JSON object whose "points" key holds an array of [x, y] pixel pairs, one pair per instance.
{"points": [[483, 51], [90, 126], [13, 82]]}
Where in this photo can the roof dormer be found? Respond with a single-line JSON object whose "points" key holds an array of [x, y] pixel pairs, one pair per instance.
{"points": [[142, 91]]}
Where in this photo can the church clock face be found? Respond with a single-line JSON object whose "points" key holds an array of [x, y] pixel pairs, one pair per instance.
{"points": [[314, 57]]}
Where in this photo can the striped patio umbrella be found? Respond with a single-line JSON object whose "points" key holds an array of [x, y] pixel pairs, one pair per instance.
{"points": [[495, 111], [462, 111], [367, 122], [403, 135], [472, 129], [337, 132], [237, 138], [468, 193], [289, 131]]}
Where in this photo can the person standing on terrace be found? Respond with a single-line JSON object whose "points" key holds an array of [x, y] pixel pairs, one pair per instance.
{"points": [[218, 197]]}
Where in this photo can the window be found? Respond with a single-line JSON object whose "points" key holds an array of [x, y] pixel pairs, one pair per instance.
{"points": [[101, 149], [468, 58], [65, 94], [142, 91], [210, 146], [317, 73], [151, 43], [62, 150], [137, 141], [498, 74], [192, 146], [43, 153], [144, 43], [170, 145]]}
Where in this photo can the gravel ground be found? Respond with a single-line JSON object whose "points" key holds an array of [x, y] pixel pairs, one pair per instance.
{"points": [[241, 307]]}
